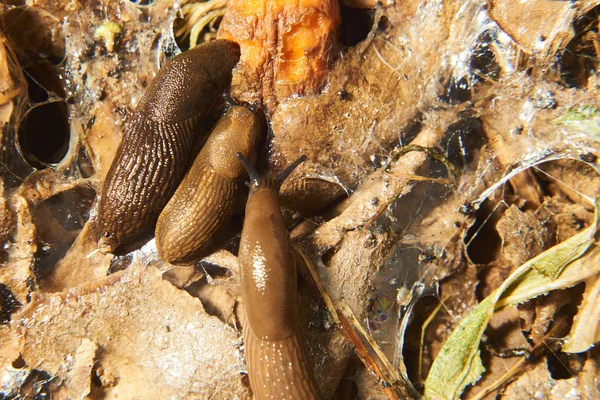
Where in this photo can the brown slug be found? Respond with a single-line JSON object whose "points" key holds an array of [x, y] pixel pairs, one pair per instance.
{"points": [[157, 146], [277, 360], [204, 202]]}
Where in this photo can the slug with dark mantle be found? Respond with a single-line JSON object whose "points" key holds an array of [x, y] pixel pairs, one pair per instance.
{"points": [[203, 204], [156, 149], [276, 356]]}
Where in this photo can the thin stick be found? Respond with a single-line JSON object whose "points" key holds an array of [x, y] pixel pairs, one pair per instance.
{"points": [[364, 346]]}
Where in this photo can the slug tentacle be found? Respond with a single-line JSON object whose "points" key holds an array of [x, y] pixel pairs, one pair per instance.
{"points": [[289, 169], [158, 143], [278, 365], [256, 181], [193, 220], [250, 170]]}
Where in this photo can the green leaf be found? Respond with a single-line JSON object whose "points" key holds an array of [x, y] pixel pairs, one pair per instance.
{"points": [[458, 363], [532, 284], [554, 264], [583, 119]]}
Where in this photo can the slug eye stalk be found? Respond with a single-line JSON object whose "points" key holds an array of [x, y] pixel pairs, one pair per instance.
{"points": [[252, 172], [289, 169], [255, 179]]}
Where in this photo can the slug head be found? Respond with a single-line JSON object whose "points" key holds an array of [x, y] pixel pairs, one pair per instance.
{"points": [[239, 130], [257, 182]]}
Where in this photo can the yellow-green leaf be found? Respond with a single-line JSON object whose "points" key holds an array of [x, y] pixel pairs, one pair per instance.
{"points": [[458, 363], [584, 119]]}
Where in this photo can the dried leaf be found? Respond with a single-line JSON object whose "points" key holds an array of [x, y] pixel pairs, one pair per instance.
{"points": [[585, 326], [79, 378]]}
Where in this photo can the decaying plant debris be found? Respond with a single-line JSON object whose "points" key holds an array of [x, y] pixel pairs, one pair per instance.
{"points": [[452, 152]]}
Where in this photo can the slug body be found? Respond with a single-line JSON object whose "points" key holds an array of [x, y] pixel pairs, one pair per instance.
{"points": [[278, 365], [205, 200], [158, 143]]}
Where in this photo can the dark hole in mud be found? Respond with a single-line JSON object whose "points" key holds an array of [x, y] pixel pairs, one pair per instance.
{"points": [[142, 2], [36, 386], [213, 270], [348, 388], [458, 90], [579, 59], [356, 24], [97, 391], [85, 164], [44, 131], [58, 221], [461, 141], [96, 381], [19, 363], [119, 263], [482, 240], [44, 134], [328, 255], [41, 80], [245, 379], [13, 168], [483, 62], [564, 366], [588, 157], [418, 365], [8, 304], [413, 128]]}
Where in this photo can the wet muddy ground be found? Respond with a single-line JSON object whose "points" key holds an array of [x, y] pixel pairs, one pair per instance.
{"points": [[447, 146]]}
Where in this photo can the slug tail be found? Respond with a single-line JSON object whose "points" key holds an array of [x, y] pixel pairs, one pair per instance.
{"points": [[200, 209], [279, 369]]}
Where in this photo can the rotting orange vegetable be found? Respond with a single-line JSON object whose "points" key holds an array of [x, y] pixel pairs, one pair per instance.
{"points": [[286, 46], [276, 356]]}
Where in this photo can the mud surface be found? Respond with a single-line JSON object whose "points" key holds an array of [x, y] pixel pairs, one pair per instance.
{"points": [[450, 143]]}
